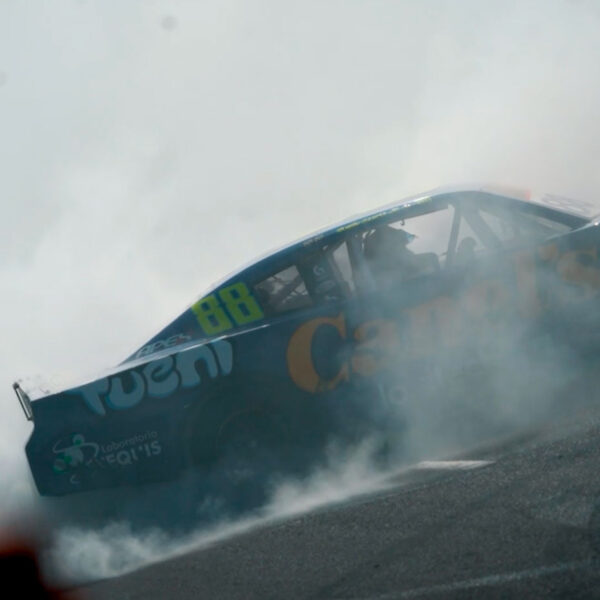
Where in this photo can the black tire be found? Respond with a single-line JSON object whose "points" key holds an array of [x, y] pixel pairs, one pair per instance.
{"points": [[253, 453]]}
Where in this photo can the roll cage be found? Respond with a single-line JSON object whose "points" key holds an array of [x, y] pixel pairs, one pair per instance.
{"points": [[493, 226]]}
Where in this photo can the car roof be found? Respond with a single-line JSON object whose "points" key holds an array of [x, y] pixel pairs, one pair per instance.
{"points": [[576, 213], [584, 211]]}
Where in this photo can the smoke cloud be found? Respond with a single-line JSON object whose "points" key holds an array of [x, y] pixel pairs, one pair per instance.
{"points": [[150, 148]]}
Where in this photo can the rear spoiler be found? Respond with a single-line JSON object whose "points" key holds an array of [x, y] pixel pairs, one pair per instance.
{"points": [[24, 401]]}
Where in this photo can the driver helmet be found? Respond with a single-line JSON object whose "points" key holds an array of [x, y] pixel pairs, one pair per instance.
{"points": [[386, 240]]}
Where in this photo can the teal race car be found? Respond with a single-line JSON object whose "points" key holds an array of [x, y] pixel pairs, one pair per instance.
{"points": [[315, 341]]}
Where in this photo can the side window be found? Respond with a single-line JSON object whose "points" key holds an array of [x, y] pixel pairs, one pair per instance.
{"points": [[468, 244], [431, 232], [491, 228], [481, 231], [409, 248], [535, 227], [283, 292], [324, 275], [502, 224]]}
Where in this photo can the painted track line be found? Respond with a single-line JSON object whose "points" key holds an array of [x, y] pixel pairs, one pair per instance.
{"points": [[483, 582], [452, 464]]}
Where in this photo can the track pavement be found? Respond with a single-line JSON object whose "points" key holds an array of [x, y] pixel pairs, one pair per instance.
{"points": [[523, 521]]}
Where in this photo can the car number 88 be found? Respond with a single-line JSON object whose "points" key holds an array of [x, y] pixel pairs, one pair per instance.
{"points": [[234, 304]]}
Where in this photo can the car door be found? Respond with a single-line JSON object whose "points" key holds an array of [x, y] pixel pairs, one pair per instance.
{"points": [[457, 292]]}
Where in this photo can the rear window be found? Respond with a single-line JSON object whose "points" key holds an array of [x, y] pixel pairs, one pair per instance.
{"points": [[323, 276], [283, 292]]}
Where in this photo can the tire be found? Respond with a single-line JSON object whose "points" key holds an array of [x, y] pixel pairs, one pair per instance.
{"points": [[253, 453]]}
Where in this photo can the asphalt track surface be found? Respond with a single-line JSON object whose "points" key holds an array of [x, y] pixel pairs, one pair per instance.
{"points": [[525, 524]]}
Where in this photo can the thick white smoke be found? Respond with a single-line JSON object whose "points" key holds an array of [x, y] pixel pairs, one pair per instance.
{"points": [[150, 147], [79, 553]]}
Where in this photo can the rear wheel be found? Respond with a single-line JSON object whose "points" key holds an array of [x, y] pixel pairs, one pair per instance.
{"points": [[253, 451]]}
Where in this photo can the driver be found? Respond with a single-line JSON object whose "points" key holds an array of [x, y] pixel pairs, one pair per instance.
{"points": [[386, 250]]}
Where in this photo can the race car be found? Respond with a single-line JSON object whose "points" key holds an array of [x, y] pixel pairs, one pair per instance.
{"points": [[313, 342]]}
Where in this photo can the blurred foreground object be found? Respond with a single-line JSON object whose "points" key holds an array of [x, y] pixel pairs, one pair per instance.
{"points": [[20, 571]]}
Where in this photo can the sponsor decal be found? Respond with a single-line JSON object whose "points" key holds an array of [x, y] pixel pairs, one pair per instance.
{"points": [[76, 452], [441, 323], [369, 218], [372, 352], [382, 213], [313, 240], [159, 378], [170, 342]]}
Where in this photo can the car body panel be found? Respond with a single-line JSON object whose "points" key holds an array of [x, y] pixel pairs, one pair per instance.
{"points": [[345, 334]]}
